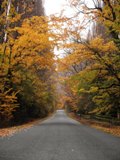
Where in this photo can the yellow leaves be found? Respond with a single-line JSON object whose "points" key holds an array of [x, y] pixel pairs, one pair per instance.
{"points": [[99, 44], [33, 44], [36, 24], [104, 53], [99, 99], [107, 12], [34, 32], [16, 18], [8, 103], [71, 101], [98, 78], [110, 47], [43, 61], [79, 54], [93, 89], [82, 90]]}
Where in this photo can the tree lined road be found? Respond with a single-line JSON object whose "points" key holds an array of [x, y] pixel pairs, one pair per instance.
{"points": [[60, 138]]}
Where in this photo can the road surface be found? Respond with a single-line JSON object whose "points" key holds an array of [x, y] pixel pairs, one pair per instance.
{"points": [[60, 138]]}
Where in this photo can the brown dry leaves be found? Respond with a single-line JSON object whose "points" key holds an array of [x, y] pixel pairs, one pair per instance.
{"points": [[12, 130], [104, 126]]}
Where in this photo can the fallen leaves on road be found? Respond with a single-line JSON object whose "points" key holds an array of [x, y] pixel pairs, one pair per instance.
{"points": [[4, 132], [11, 130]]}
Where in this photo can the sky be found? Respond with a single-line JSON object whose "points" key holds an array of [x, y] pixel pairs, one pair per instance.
{"points": [[56, 6], [53, 6]]}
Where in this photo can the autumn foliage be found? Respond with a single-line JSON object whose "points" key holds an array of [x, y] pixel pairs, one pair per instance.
{"points": [[91, 65], [85, 78], [26, 66]]}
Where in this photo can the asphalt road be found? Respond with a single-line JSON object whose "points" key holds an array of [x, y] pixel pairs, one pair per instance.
{"points": [[60, 138]]}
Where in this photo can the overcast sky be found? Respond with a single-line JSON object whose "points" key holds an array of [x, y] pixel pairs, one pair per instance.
{"points": [[56, 6]]}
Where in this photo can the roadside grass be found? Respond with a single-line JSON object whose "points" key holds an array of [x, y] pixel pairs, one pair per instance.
{"points": [[104, 126]]}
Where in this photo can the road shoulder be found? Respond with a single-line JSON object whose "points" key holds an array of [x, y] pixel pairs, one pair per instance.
{"points": [[106, 127], [10, 131]]}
